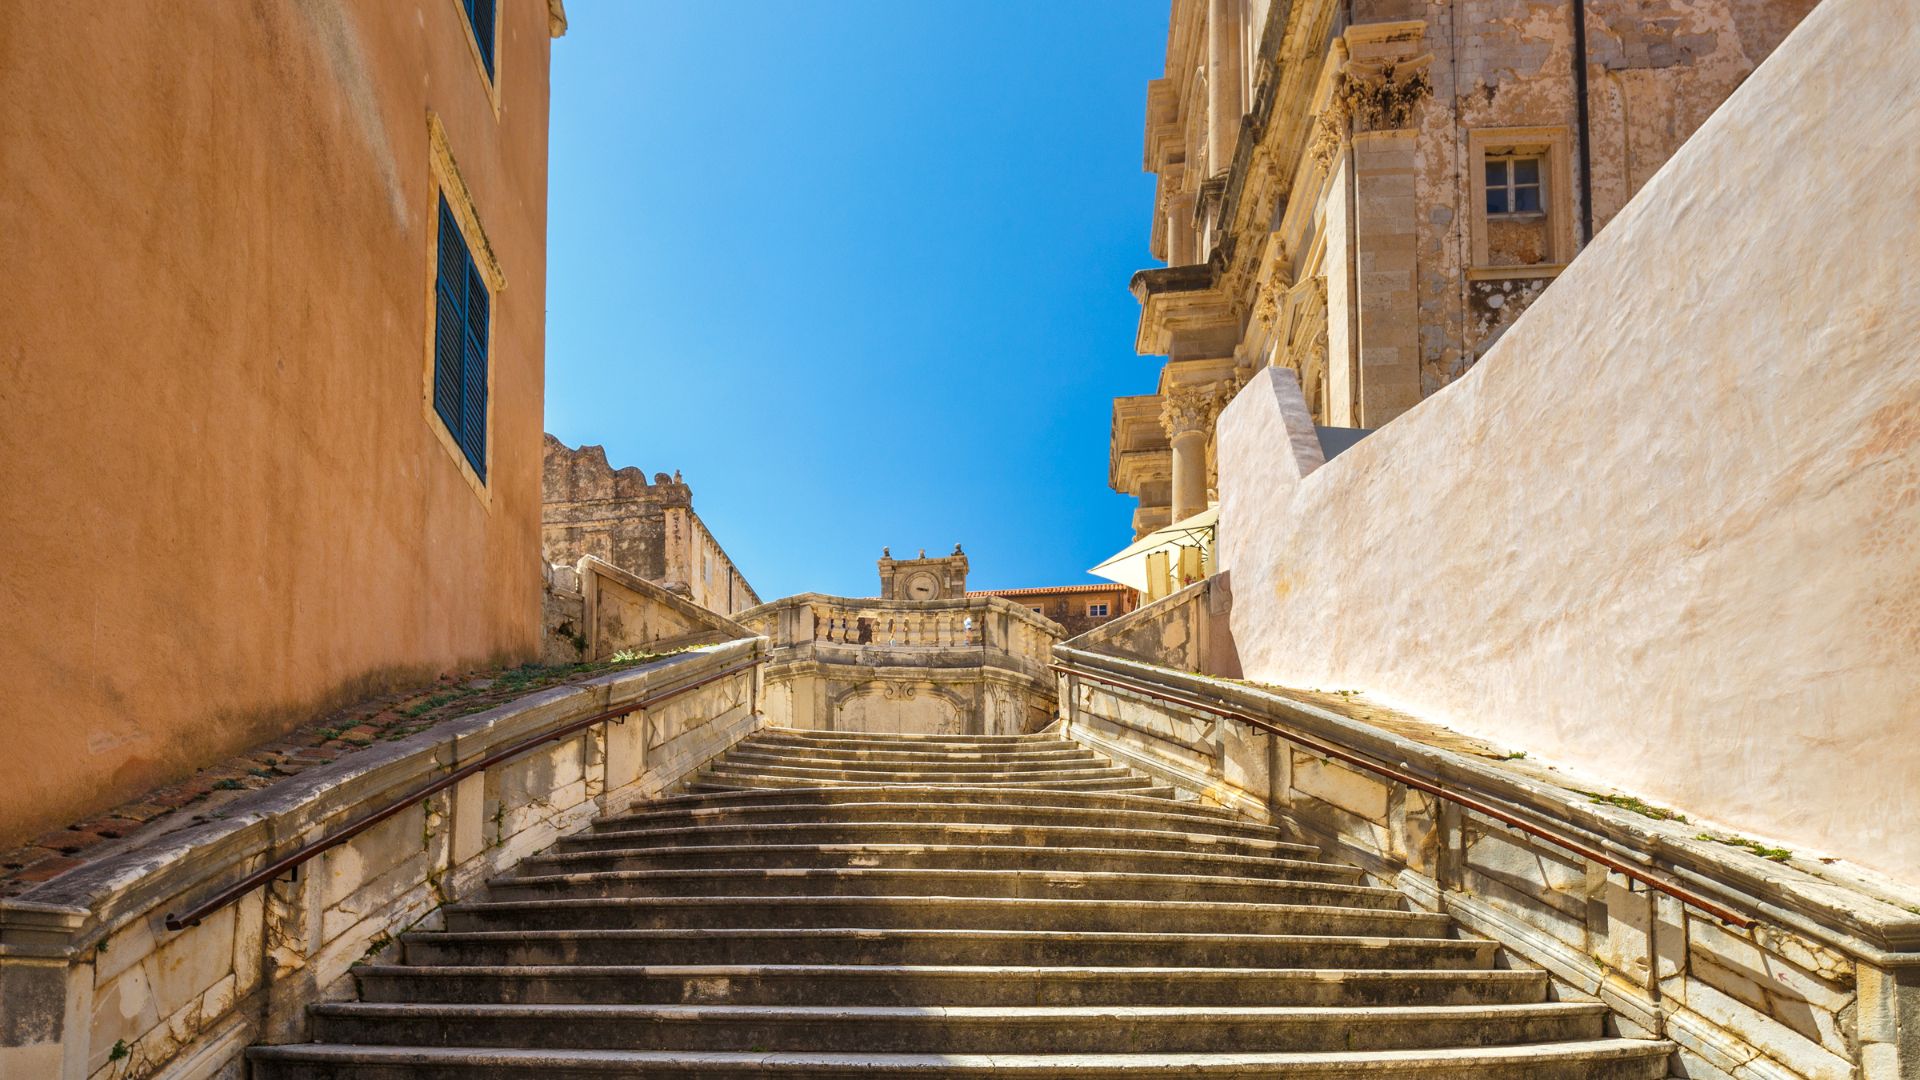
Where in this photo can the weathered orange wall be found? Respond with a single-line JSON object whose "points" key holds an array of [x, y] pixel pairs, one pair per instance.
{"points": [[222, 508]]}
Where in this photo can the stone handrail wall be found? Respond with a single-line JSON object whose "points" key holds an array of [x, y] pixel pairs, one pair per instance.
{"points": [[976, 664], [92, 984], [1822, 987]]}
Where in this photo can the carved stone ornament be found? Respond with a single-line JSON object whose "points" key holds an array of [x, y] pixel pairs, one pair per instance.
{"points": [[1185, 409], [1381, 95]]}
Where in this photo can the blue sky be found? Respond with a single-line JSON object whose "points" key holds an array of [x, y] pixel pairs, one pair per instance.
{"points": [[858, 270]]}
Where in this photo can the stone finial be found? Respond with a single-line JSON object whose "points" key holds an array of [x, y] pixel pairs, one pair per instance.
{"points": [[923, 553], [676, 477], [886, 553], [957, 551]]}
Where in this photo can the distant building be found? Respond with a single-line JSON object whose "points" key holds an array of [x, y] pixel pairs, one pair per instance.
{"points": [[647, 529], [1079, 608], [274, 339]]}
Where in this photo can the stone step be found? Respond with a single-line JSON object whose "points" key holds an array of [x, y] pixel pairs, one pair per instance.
{"points": [[905, 985], [1593, 1059], [987, 808], [898, 741], [944, 946], [879, 756], [931, 774], [723, 780], [1078, 885], [743, 758], [926, 911], [833, 799], [1032, 838], [935, 856], [956, 1029]]}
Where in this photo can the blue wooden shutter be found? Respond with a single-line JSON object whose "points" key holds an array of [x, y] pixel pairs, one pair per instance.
{"points": [[480, 17], [450, 299], [473, 391], [462, 307]]}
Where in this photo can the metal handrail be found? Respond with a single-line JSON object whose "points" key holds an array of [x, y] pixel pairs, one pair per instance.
{"points": [[192, 916], [1585, 851]]}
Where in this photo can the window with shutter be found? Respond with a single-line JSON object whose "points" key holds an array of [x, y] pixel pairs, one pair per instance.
{"points": [[461, 308], [480, 21]]}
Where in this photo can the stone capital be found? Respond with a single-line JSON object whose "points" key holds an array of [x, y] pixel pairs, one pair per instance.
{"points": [[1189, 409]]}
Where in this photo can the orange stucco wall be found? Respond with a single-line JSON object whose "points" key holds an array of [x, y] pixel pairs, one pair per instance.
{"points": [[223, 508]]}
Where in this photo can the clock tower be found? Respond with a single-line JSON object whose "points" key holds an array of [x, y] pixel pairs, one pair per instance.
{"points": [[943, 578]]}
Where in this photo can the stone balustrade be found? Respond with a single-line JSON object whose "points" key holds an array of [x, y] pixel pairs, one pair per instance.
{"points": [[1821, 986], [976, 665], [94, 985]]}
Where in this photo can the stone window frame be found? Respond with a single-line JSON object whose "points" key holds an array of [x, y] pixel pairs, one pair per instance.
{"points": [[1096, 611], [1552, 145], [469, 35], [444, 181]]}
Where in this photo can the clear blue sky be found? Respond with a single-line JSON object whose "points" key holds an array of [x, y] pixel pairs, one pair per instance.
{"points": [[858, 270]]}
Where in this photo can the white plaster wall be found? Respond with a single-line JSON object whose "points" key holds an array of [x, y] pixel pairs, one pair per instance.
{"points": [[1668, 531]]}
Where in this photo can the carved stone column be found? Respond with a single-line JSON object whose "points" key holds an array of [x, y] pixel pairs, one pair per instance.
{"points": [[1224, 107], [1189, 412]]}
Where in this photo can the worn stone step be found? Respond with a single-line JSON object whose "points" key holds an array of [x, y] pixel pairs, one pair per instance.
{"points": [[956, 1029], [930, 774], [745, 757], [936, 856], [944, 946], [1031, 837], [1067, 884], [884, 756], [1000, 808], [725, 780], [904, 985], [833, 798], [897, 740], [924, 911], [1593, 1059]]}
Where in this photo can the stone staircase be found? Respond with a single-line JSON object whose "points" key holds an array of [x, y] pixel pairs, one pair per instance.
{"points": [[832, 904]]}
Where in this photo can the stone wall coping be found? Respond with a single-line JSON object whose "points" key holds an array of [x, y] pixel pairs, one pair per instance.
{"points": [[72, 912], [1872, 919], [969, 603]]}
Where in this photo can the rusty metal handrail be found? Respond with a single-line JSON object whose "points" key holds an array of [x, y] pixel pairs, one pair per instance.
{"points": [[193, 915], [1585, 851]]}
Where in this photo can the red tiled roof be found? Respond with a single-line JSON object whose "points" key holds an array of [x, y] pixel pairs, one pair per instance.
{"points": [[1043, 590]]}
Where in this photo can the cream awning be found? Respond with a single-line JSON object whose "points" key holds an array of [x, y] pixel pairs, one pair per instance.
{"points": [[1129, 567]]}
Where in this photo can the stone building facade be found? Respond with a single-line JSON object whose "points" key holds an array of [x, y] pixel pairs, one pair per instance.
{"points": [[1369, 192], [647, 529], [1077, 608], [274, 340]]}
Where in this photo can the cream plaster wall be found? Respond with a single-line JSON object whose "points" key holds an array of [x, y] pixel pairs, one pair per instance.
{"points": [[1667, 533]]}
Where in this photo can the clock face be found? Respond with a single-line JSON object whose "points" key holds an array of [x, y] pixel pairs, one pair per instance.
{"points": [[922, 587]]}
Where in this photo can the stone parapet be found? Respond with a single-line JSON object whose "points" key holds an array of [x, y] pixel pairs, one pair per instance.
{"points": [[93, 984], [1815, 988], [975, 665]]}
